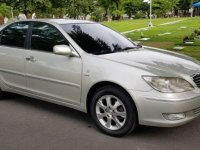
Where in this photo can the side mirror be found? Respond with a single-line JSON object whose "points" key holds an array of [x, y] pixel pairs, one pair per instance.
{"points": [[62, 50]]}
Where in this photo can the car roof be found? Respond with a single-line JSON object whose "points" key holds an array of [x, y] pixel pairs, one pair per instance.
{"points": [[58, 21], [68, 21]]}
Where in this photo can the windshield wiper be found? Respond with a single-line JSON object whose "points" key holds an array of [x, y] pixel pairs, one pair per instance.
{"points": [[128, 48], [135, 47], [116, 51], [101, 52]]}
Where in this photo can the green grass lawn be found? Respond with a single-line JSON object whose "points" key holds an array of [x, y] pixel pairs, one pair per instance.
{"points": [[127, 25], [178, 32]]}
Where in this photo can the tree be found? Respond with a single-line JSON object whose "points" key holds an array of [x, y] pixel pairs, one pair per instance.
{"points": [[161, 7], [131, 6], [106, 4], [28, 7], [185, 5], [4, 12], [105, 8], [80, 8], [117, 3], [42, 8], [173, 5], [145, 8], [98, 14], [73, 8], [61, 6]]}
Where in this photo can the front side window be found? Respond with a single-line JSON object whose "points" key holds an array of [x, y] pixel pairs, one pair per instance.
{"points": [[45, 37], [14, 35], [97, 39]]}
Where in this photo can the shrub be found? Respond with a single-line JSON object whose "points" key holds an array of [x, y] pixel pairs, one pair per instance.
{"points": [[139, 15], [192, 36], [196, 31], [4, 12], [186, 39], [98, 14], [142, 35]]}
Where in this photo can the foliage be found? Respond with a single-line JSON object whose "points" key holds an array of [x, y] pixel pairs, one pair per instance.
{"points": [[161, 7], [185, 5], [139, 15], [192, 36], [114, 9], [117, 14], [106, 5], [131, 6], [28, 7], [174, 4], [98, 14], [5, 10], [80, 8]]}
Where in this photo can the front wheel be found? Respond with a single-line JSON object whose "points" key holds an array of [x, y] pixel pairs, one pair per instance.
{"points": [[1, 94], [113, 111]]}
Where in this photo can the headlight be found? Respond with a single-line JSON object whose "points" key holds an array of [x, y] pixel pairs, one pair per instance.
{"points": [[168, 84]]}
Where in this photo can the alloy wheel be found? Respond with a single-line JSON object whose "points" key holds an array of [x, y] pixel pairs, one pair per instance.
{"points": [[111, 112]]}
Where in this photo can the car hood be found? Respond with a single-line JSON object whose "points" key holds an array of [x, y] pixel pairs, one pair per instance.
{"points": [[156, 61]]}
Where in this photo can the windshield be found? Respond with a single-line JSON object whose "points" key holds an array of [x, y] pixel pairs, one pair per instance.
{"points": [[97, 39]]}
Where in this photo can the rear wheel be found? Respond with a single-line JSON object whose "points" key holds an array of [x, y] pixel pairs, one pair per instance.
{"points": [[113, 111]]}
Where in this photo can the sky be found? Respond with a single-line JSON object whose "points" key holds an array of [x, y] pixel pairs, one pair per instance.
{"points": [[146, 0]]}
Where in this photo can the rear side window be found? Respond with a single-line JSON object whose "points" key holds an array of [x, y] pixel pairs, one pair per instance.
{"points": [[14, 35], [45, 37]]}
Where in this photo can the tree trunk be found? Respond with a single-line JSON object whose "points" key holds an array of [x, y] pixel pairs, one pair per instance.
{"points": [[29, 16], [107, 16], [61, 13], [2, 20]]}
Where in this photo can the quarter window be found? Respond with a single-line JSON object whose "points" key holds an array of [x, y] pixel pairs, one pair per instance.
{"points": [[14, 35], [45, 37]]}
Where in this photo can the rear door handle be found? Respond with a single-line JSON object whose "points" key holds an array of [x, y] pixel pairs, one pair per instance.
{"points": [[31, 59]]}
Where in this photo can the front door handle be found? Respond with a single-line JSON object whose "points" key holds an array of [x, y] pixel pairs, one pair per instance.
{"points": [[31, 59]]}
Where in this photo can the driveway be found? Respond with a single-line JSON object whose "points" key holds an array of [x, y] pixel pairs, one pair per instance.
{"points": [[29, 124]]}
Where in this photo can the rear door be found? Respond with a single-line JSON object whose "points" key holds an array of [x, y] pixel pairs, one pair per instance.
{"points": [[49, 75], [12, 55]]}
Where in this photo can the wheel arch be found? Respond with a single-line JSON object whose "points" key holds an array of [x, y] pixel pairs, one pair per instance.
{"points": [[101, 84]]}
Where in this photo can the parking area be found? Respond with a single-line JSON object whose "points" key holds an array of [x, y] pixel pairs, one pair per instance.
{"points": [[30, 124]]}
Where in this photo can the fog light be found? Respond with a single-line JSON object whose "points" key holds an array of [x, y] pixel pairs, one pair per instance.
{"points": [[173, 117]]}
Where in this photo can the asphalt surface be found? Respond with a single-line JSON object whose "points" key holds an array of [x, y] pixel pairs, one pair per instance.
{"points": [[30, 124]]}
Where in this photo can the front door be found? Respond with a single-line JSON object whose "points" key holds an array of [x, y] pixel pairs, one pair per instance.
{"points": [[49, 75]]}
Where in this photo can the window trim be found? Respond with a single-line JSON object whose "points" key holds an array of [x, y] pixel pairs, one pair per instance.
{"points": [[25, 40], [29, 42]]}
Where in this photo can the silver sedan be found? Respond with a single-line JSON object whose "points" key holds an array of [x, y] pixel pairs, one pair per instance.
{"points": [[91, 68]]}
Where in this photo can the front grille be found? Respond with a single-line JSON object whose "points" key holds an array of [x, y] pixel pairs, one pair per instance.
{"points": [[196, 79], [196, 111]]}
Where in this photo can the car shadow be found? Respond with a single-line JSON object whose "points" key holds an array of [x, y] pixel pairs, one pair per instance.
{"points": [[50, 108], [85, 119]]}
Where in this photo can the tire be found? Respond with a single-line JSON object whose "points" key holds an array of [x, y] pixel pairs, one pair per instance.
{"points": [[1, 94], [113, 111]]}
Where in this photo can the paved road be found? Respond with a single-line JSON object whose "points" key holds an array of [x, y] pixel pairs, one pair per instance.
{"points": [[29, 124]]}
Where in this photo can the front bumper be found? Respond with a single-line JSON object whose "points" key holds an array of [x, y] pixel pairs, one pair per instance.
{"points": [[152, 105]]}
